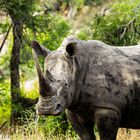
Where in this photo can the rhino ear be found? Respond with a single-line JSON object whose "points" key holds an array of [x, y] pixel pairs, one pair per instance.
{"points": [[71, 49], [39, 49]]}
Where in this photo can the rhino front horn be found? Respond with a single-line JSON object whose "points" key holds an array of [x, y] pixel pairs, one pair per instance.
{"points": [[44, 87]]}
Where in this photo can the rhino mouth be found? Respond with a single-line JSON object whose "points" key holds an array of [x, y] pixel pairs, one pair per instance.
{"points": [[48, 106], [51, 111], [47, 113]]}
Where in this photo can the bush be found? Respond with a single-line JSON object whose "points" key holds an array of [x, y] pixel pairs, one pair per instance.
{"points": [[57, 31], [48, 29], [4, 25], [5, 101], [120, 26]]}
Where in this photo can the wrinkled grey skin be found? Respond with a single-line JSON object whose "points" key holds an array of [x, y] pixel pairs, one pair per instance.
{"points": [[97, 83]]}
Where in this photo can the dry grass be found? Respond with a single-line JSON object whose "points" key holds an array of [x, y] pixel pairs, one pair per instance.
{"points": [[38, 135], [124, 134], [128, 135]]}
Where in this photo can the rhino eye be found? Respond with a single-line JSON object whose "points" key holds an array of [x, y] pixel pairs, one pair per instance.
{"points": [[49, 76], [51, 79]]}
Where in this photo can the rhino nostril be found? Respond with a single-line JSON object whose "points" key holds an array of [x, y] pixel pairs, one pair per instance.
{"points": [[66, 84], [58, 107]]}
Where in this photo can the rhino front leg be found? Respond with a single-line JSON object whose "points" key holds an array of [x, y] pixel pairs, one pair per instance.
{"points": [[83, 127], [108, 123]]}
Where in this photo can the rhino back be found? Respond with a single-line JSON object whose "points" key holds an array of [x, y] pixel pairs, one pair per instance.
{"points": [[133, 52]]}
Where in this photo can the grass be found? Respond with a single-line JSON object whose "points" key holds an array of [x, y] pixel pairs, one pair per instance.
{"points": [[130, 135], [35, 133]]}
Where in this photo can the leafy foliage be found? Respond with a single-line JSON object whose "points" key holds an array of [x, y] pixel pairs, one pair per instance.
{"points": [[18, 10], [4, 25], [50, 30], [5, 101], [121, 26]]}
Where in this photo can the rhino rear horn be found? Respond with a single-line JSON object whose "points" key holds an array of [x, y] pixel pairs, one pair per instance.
{"points": [[43, 85], [39, 49]]}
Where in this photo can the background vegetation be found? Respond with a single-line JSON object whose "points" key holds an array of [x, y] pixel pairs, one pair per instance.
{"points": [[116, 22]]}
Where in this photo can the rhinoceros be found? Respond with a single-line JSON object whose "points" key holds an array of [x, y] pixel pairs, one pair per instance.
{"points": [[97, 84]]}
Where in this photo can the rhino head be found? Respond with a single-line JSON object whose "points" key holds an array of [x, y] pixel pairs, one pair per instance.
{"points": [[57, 82]]}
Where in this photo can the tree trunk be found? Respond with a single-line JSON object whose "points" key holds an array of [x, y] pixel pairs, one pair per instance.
{"points": [[14, 68], [16, 99]]}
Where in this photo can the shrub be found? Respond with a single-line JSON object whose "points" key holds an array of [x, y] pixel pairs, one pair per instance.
{"points": [[5, 101], [120, 26]]}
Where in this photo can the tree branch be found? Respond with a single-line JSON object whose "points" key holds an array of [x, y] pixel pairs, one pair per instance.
{"points": [[5, 37], [3, 124], [130, 23]]}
